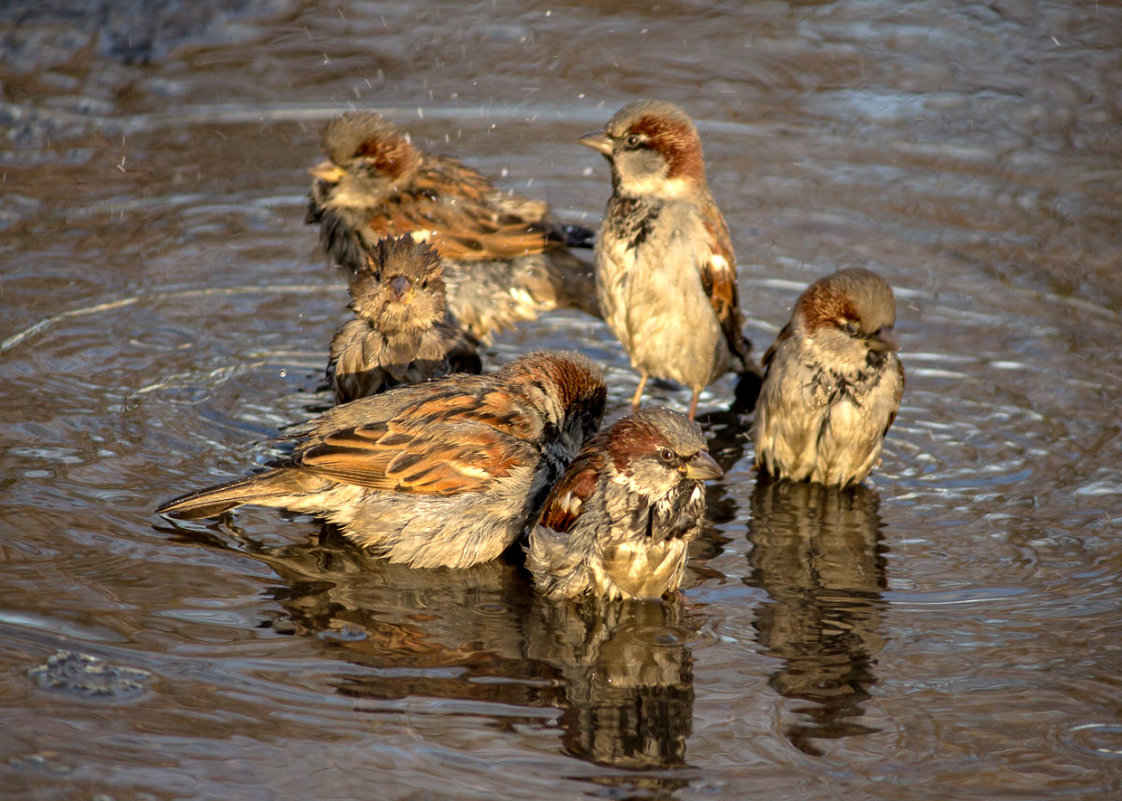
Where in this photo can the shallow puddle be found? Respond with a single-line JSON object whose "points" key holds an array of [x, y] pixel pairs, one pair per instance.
{"points": [[952, 629]]}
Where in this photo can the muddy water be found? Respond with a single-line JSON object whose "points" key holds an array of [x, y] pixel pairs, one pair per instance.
{"points": [[951, 630]]}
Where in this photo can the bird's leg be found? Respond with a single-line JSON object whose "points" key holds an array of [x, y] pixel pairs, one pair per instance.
{"points": [[693, 403], [637, 398]]}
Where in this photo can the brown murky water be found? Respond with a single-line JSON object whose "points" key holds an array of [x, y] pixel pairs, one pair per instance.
{"points": [[953, 630]]}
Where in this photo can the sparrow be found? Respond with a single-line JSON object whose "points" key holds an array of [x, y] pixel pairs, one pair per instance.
{"points": [[401, 333], [619, 521], [446, 473], [665, 270], [507, 258], [832, 384]]}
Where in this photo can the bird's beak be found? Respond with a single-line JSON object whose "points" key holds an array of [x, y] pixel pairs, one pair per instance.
{"points": [[702, 466], [597, 140], [400, 286], [327, 170], [884, 339]]}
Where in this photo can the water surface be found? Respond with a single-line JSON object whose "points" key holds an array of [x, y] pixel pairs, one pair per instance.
{"points": [[950, 630]]}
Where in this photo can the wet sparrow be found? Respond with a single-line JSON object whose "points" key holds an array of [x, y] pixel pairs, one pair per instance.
{"points": [[444, 473], [619, 521], [832, 384], [401, 333], [665, 270]]}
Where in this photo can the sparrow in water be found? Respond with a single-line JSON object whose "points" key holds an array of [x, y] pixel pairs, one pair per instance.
{"points": [[400, 333], [447, 473], [507, 259], [665, 270], [618, 523], [832, 384]]}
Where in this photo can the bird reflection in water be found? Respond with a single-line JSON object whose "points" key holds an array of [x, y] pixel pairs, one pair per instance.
{"points": [[626, 686], [620, 673], [817, 553], [419, 632]]}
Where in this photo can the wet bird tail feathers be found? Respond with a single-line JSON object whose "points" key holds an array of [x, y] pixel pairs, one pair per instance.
{"points": [[214, 501]]}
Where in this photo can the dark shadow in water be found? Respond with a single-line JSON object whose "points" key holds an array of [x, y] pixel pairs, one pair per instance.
{"points": [[817, 553], [620, 673]]}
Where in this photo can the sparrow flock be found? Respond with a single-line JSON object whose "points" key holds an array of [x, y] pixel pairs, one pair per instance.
{"points": [[427, 462]]}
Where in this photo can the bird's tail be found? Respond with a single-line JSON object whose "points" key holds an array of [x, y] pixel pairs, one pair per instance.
{"points": [[265, 489]]}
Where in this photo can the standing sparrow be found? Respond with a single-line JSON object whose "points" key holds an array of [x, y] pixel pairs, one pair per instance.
{"points": [[619, 521], [448, 472], [400, 333], [507, 258], [833, 382], [665, 271]]}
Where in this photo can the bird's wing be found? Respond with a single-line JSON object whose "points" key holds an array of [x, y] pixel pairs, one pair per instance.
{"points": [[566, 500], [718, 277], [899, 395], [447, 443], [459, 347], [784, 334], [465, 217]]}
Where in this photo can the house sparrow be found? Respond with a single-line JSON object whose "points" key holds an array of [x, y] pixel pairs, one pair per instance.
{"points": [[665, 271], [448, 472], [618, 523], [400, 334], [833, 383], [507, 258]]}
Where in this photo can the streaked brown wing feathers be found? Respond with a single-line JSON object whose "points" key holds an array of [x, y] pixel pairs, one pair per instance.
{"points": [[566, 500], [397, 458], [470, 223], [718, 277], [451, 441]]}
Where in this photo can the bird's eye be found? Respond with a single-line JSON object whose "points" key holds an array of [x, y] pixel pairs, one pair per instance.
{"points": [[633, 140], [850, 327], [666, 455]]}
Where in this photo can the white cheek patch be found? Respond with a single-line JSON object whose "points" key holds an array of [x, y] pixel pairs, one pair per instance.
{"points": [[658, 186]]}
